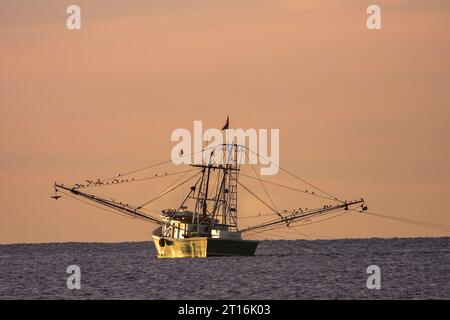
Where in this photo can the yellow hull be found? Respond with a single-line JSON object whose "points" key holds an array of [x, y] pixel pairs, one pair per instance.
{"points": [[201, 247], [181, 248]]}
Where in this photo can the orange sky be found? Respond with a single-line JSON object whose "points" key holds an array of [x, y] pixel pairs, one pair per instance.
{"points": [[360, 113]]}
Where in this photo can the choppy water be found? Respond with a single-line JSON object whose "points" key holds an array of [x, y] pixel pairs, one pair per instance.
{"points": [[410, 269]]}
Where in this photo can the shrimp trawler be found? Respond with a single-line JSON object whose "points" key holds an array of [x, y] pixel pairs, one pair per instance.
{"points": [[211, 228], [205, 223]]}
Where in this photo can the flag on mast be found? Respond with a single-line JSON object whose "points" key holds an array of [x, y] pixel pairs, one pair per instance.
{"points": [[227, 124]]}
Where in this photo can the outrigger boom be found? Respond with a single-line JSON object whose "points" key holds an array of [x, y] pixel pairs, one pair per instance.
{"points": [[296, 216], [123, 208]]}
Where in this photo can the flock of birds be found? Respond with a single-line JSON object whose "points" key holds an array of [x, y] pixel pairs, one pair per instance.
{"points": [[99, 182]]}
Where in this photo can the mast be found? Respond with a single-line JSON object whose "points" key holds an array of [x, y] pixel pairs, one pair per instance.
{"points": [[224, 197], [205, 201], [230, 210]]}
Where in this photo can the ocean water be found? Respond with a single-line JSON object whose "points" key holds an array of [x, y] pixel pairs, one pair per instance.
{"points": [[322, 269]]}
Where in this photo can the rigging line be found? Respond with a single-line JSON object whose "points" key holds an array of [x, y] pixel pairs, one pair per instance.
{"points": [[290, 218], [261, 200], [445, 230], [272, 234], [141, 217], [297, 177], [173, 182], [218, 187], [252, 233], [248, 235], [157, 164], [168, 191], [256, 231], [298, 233], [162, 194], [442, 225], [262, 215], [266, 215], [430, 225], [215, 186], [277, 235], [107, 210], [288, 187], [408, 220], [316, 236], [151, 210], [137, 170], [260, 181], [136, 180], [189, 193], [267, 229], [413, 222], [322, 220], [305, 224]]}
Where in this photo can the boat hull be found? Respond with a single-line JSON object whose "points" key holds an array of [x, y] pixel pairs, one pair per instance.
{"points": [[202, 247]]}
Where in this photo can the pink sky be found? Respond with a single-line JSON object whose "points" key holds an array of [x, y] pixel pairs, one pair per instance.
{"points": [[360, 113]]}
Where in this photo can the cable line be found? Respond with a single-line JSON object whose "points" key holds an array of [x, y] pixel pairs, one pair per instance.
{"points": [[260, 181], [288, 187], [297, 177], [430, 225], [168, 191]]}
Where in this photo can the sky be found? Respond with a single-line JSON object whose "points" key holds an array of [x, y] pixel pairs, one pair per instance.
{"points": [[361, 113]]}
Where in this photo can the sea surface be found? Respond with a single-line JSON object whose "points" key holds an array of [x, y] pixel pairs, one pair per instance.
{"points": [[321, 269]]}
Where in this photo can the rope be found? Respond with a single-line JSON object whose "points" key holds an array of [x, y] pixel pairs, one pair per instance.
{"points": [[295, 176], [261, 215], [262, 184], [156, 165], [280, 226], [258, 198], [288, 187], [430, 225], [172, 183], [102, 208], [136, 180], [168, 191]]}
